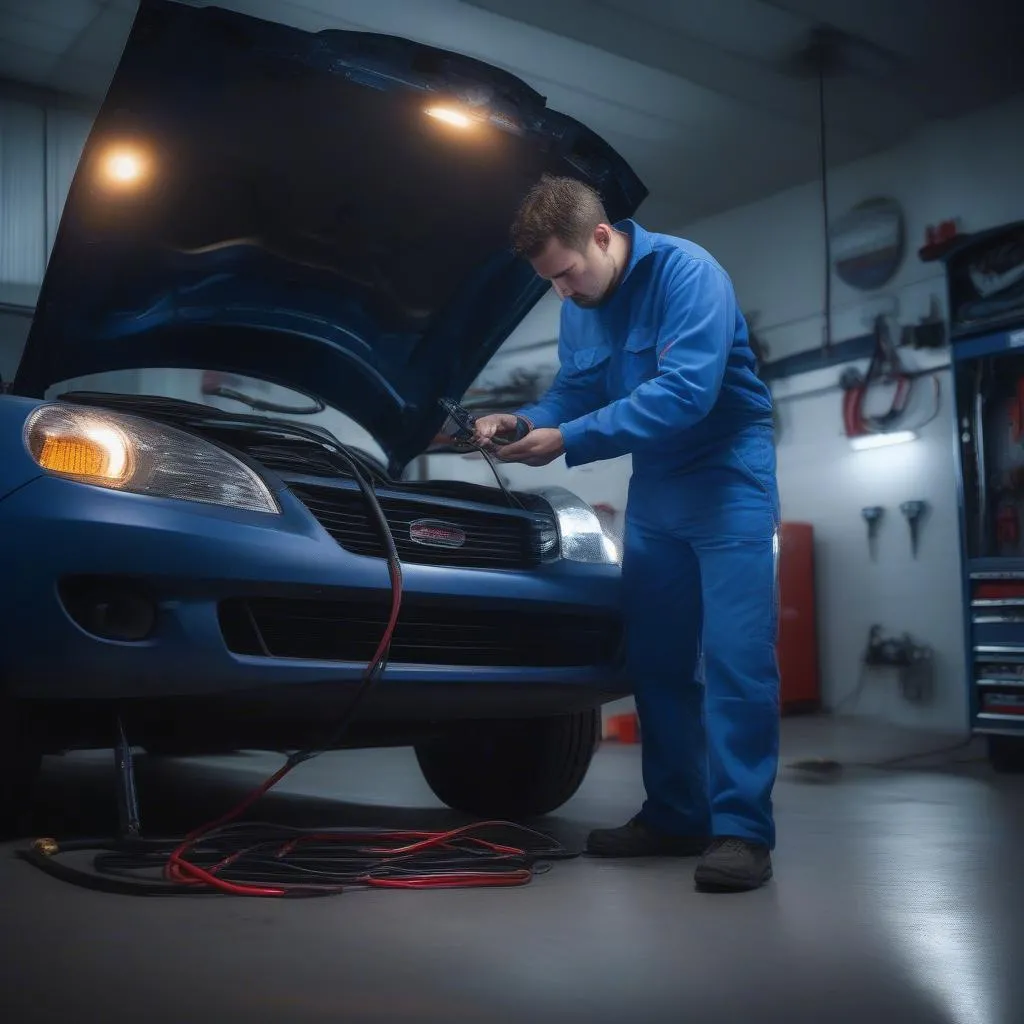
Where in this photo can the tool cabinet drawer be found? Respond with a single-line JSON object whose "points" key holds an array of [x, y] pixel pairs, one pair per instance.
{"points": [[998, 631]]}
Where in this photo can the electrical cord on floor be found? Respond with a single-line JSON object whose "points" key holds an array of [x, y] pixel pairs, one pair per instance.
{"points": [[226, 856], [826, 767], [327, 860], [272, 860], [901, 759]]}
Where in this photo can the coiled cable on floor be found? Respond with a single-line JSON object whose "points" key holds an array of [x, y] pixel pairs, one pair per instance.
{"points": [[273, 860]]}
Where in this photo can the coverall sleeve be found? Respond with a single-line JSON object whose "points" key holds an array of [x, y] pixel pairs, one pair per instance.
{"points": [[694, 338], [578, 387]]}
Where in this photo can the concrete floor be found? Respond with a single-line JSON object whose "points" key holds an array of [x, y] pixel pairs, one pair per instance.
{"points": [[898, 897]]}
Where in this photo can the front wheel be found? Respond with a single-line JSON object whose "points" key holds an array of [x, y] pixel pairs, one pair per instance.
{"points": [[511, 770]]}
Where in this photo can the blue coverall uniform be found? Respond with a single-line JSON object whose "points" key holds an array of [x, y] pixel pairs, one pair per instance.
{"points": [[663, 371]]}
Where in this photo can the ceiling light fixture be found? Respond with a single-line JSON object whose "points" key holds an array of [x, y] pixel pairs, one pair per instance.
{"points": [[865, 441]]}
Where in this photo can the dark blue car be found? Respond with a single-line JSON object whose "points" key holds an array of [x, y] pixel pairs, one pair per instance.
{"points": [[328, 214]]}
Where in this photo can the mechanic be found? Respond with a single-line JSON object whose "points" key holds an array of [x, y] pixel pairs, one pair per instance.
{"points": [[655, 363]]}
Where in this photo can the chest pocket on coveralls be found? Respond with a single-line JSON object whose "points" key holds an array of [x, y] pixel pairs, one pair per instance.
{"points": [[639, 357], [591, 364]]}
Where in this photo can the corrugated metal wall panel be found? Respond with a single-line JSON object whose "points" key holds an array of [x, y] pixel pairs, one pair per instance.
{"points": [[66, 132], [13, 332], [23, 245]]}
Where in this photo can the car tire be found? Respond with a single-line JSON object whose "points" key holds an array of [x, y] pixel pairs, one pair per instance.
{"points": [[1006, 754], [512, 770], [20, 760]]}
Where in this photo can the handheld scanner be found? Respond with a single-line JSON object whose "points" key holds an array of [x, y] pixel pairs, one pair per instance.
{"points": [[461, 425]]}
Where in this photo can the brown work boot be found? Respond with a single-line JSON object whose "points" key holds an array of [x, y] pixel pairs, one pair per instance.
{"points": [[635, 839], [731, 864]]}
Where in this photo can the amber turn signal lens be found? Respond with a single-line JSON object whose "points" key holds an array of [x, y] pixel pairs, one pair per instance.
{"points": [[100, 452]]}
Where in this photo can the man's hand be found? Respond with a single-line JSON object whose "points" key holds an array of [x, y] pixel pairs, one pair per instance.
{"points": [[538, 448], [488, 427]]}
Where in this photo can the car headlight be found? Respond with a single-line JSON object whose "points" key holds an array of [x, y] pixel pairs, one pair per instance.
{"points": [[125, 453], [581, 537]]}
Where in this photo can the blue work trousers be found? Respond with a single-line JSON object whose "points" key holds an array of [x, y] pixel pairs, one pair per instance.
{"points": [[700, 586]]}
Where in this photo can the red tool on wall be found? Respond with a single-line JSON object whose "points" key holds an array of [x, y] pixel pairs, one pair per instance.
{"points": [[885, 368], [938, 239]]}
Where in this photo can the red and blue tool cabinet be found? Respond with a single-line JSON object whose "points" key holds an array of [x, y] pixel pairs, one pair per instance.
{"points": [[987, 375], [986, 327]]}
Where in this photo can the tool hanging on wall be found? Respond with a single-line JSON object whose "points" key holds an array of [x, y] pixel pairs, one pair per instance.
{"points": [[872, 516], [885, 368], [913, 511], [913, 661]]}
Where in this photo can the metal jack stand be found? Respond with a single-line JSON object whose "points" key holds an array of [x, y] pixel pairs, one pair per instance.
{"points": [[127, 796]]}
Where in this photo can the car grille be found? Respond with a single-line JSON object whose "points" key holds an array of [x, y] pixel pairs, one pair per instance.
{"points": [[296, 457], [493, 540], [426, 634]]}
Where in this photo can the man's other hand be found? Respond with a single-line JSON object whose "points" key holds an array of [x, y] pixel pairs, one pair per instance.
{"points": [[538, 448], [489, 427]]}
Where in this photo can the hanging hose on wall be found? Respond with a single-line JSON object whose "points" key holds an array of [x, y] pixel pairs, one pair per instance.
{"points": [[885, 367]]}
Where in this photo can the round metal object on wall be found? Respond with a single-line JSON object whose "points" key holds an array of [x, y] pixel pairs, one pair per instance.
{"points": [[868, 243]]}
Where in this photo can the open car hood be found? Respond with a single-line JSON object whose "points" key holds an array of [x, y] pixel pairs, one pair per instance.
{"points": [[258, 200]]}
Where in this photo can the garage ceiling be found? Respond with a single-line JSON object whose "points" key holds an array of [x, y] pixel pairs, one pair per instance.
{"points": [[705, 97]]}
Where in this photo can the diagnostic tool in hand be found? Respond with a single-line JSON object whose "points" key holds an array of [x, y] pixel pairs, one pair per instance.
{"points": [[461, 425]]}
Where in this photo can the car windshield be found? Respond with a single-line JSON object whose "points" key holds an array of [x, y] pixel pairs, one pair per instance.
{"points": [[228, 392]]}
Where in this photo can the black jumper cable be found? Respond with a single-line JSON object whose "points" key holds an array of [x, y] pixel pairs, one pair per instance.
{"points": [[245, 858]]}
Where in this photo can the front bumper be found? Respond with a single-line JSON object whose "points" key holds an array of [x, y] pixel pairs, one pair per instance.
{"points": [[206, 569]]}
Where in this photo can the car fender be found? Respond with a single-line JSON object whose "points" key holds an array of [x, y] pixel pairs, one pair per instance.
{"points": [[17, 467]]}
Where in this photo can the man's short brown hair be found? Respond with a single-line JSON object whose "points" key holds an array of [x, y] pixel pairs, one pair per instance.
{"points": [[556, 207]]}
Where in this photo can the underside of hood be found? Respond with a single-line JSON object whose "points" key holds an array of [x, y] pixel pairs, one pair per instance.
{"points": [[326, 211]]}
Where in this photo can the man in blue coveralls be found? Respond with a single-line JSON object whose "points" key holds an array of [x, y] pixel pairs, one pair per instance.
{"points": [[655, 362]]}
